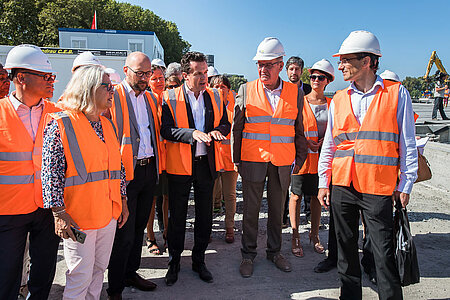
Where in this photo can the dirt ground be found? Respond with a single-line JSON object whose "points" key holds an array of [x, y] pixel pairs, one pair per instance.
{"points": [[429, 213]]}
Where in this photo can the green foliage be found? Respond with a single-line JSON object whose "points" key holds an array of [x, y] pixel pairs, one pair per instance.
{"points": [[236, 81], [37, 22], [416, 86], [305, 76]]}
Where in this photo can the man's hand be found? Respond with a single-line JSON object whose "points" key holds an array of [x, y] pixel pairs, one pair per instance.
{"points": [[217, 136], [296, 169], [201, 137], [324, 197], [124, 215], [314, 146], [402, 197], [63, 221]]}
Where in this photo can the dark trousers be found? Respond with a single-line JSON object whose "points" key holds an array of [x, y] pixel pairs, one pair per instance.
{"points": [[43, 252], [332, 243], [253, 194], [438, 105], [179, 189], [126, 252], [377, 210]]}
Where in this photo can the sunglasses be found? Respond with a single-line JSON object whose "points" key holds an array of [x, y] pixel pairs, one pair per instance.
{"points": [[47, 77], [109, 86], [320, 77]]}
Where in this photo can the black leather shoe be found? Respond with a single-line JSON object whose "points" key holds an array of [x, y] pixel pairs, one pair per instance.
{"points": [[325, 265], [140, 283], [115, 297], [203, 272], [172, 274]]}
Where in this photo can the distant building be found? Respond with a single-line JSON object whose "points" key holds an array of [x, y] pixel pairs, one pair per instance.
{"points": [[144, 41], [210, 60]]}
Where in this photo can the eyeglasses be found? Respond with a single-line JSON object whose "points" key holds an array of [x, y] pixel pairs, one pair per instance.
{"points": [[268, 66], [141, 73], [109, 86], [172, 86], [345, 61], [47, 77], [320, 77]]}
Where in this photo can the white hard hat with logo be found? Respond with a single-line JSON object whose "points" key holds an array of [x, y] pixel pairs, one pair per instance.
{"points": [[270, 48], [28, 57], [85, 59], [158, 62], [360, 41], [324, 66], [212, 71], [389, 75], [113, 76]]}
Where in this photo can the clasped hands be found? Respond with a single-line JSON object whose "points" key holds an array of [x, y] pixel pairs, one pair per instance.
{"points": [[207, 138]]}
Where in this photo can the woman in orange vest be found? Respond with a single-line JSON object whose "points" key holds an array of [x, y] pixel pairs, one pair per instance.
{"points": [[306, 181], [227, 176], [83, 180]]}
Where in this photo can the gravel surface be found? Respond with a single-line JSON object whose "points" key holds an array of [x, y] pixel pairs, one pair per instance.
{"points": [[429, 213]]}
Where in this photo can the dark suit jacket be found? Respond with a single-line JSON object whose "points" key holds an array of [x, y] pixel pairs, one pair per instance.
{"points": [[306, 88], [184, 135], [256, 171]]}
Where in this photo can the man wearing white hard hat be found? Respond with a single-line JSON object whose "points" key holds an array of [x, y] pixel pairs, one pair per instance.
{"points": [[21, 205], [267, 138], [369, 138], [160, 63], [389, 75], [85, 59]]}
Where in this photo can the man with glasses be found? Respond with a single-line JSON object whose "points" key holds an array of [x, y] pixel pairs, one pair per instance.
{"points": [[21, 205], [134, 113], [267, 138], [362, 156], [193, 117]]}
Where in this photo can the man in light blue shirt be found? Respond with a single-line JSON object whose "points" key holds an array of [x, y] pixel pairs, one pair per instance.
{"points": [[359, 57]]}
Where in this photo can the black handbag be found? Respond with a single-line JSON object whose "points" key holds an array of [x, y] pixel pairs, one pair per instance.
{"points": [[405, 250]]}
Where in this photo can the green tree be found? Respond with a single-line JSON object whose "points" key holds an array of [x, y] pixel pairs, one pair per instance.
{"points": [[37, 22], [416, 86], [305, 76], [236, 81]]}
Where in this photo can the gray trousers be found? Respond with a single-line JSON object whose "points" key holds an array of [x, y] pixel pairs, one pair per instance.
{"points": [[253, 194]]}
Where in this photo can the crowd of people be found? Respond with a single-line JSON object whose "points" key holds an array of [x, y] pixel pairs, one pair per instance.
{"points": [[98, 166]]}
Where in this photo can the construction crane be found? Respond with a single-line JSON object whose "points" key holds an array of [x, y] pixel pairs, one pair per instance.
{"points": [[434, 59]]}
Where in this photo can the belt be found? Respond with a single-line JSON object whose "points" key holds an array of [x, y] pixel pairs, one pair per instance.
{"points": [[144, 161], [200, 158]]}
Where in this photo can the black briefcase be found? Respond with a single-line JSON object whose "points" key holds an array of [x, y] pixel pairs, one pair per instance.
{"points": [[405, 250]]}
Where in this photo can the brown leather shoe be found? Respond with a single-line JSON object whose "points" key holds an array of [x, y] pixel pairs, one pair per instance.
{"points": [[229, 236], [140, 283], [281, 262], [246, 267]]}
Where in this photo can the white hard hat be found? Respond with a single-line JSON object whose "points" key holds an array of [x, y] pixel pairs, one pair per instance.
{"points": [[360, 41], [270, 48], [212, 71], [113, 75], [158, 62], [389, 75], [85, 59], [324, 66], [28, 57]]}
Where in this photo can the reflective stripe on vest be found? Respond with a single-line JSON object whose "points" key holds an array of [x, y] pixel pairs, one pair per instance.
{"points": [[366, 135], [119, 120], [173, 104], [15, 156], [16, 179]]}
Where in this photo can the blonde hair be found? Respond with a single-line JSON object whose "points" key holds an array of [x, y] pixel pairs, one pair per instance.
{"points": [[79, 95]]}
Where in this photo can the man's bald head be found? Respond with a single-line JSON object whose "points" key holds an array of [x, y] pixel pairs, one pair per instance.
{"points": [[138, 69]]}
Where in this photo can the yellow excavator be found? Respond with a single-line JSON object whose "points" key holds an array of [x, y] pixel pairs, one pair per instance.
{"points": [[434, 59]]}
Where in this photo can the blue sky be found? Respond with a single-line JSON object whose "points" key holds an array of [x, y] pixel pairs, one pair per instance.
{"points": [[408, 31]]}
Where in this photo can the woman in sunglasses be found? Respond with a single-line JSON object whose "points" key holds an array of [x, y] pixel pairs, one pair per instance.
{"points": [[306, 181], [83, 180]]}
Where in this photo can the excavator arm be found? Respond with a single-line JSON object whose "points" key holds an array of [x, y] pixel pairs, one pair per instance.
{"points": [[434, 59]]}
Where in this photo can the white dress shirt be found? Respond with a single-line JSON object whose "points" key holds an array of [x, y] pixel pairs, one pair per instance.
{"points": [[140, 111], [407, 142], [274, 95], [198, 113], [30, 117]]}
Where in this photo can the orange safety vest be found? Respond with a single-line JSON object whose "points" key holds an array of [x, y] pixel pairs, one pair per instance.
{"points": [[162, 142], [311, 133], [121, 118], [269, 136], [367, 155], [179, 155], [92, 180], [20, 161], [225, 145]]}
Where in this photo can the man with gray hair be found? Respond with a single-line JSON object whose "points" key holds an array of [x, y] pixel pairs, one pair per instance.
{"points": [[174, 68]]}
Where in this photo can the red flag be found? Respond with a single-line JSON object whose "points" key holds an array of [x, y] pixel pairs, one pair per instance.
{"points": [[94, 21]]}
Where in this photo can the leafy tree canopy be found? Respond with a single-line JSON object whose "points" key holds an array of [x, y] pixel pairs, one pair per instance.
{"points": [[37, 22]]}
